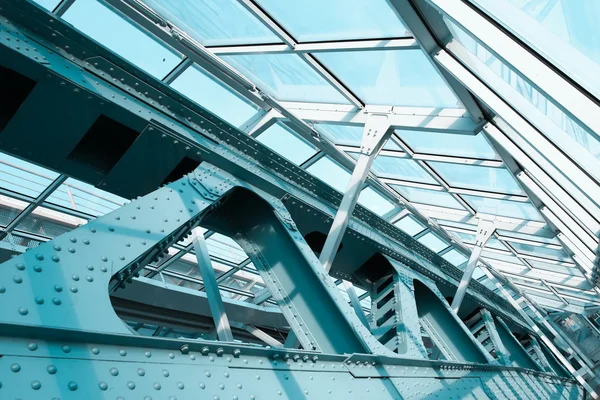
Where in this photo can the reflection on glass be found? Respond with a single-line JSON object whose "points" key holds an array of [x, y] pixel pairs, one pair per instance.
{"points": [[401, 168], [286, 143], [314, 20], [375, 202], [213, 96], [286, 77], [477, 177], [214, 22], [112, 31], [390, 77], [541, 251], [331, 173], [429, 197], [578, 141], [22, 177], [455, 258], [564, 31], [410, 225], [447, 144], [434, 242], [49, 5], [503, 208]]}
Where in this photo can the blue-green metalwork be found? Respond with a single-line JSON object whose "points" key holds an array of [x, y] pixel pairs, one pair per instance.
{"points": [[60, 336]]}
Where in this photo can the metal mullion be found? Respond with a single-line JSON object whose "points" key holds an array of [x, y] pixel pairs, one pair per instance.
{"points": [[269, 22], [177, 71], [558, 296], [332, 80], [446, 186], [264, 123], [459, 160], [62, 7], [489, 194]]}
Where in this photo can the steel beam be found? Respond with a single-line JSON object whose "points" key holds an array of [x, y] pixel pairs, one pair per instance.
{"points": [[211, 287], [485, 229], [376, 132]]}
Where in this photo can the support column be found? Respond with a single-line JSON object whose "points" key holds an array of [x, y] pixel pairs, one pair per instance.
{"points": [[215, 302], [485, 229], [377, 131]]}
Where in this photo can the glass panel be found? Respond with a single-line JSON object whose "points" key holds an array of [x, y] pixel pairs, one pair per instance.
{"points": [[284, 142], [390, 77], [286, 77], [331, 173], [215, 22], [375, 202], [48, 4], [349, 135], [501, 257], [541, 251], [112, 31], [555, 268], [434, 242], [314, 20], [410, 225], [503, 208], [564, 31], [455, 258], [46, 222], [401, 168], [447, 144], [211, 95], [477, 177], [426, 196], [571, 137], [23, 177]]}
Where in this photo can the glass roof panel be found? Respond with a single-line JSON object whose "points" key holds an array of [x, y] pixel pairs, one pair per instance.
{"points": [[570, 136], [114, 32], [314, 20], [286, 77], [541, 251], [433, 241], [477, 177], [375, 202], [429, 197], [410, 225], [23, 177], [390, 77], [455, 257], [83, 197], [215, 22], [503, 208], [401, 168], [331, 173], [470, 239], [225, 248], [213, 96], [501, 257], [286, 143], [48, 4], [349, 135], [564, 31], [447, 144]]}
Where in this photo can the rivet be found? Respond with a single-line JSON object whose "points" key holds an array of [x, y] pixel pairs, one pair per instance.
{"points": [[131, 385], [75, 278], [15, 367], [157, 386], [114, 371], [37, 268], [104, 258], [17, 279], [71, 250], [207, 373], [2, 289], [51, 369], [74, 289], [141, 372], [103, 385], [23, 311], [165, 373], [36, 385], [32, 346], [123, 352], [180, 385], [57, 247], [56, 301], [55, 258], [20, 266], [58, 288], [72, 386], [39, 257], [202, 385], [95, 350]]}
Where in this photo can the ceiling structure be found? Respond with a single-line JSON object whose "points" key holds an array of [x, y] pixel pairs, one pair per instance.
{"points": [[493, 109]]}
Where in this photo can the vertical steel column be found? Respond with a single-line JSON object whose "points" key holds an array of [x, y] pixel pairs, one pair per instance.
{"points": [[211, 287], [485, 229], [377, 131], [541, 334]]}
